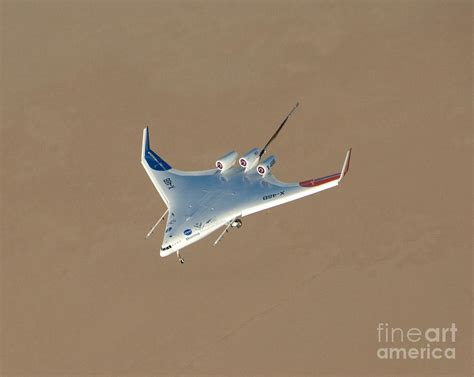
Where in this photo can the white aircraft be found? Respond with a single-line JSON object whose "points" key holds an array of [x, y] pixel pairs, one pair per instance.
{"points": [[200, 202]]}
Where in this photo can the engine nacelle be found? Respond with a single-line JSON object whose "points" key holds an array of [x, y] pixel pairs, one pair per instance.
{"points": [[227, 161], [249, 159], [264, 168]]}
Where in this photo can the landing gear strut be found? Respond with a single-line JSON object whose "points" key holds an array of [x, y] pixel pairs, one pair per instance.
{"points": [[181, 260]]}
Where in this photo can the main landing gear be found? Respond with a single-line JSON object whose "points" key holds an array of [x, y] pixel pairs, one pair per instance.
{"points": [[236, 223], [181, 260]]}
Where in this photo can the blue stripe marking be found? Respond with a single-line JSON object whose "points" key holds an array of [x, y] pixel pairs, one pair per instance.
{"points": [[328, 176], [154, 161]]}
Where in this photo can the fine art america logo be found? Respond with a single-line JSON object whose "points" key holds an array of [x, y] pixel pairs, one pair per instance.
{"points": [[413, 343]]}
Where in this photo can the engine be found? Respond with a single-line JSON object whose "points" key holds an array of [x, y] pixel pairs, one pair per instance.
{"points": [[264, 168], [249, 159], [227, 161]]}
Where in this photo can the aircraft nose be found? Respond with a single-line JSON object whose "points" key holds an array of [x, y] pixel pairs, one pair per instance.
{"points": [[166, 250]]}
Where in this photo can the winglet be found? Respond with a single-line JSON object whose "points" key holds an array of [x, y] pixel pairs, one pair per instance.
{"points": [[145, 142], [154, 161], [345, 167]]}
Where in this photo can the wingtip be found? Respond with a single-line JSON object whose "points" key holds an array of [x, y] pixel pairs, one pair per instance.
{"points": [[145, 142], [347, 161]]}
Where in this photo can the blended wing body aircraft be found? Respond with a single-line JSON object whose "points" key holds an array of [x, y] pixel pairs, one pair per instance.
{"points": [[200, 202]]}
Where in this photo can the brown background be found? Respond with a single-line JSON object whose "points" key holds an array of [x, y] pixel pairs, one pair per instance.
{"points": [[300, 289]]}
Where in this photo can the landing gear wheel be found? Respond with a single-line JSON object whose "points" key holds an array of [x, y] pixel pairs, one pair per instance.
{"points": [[237, 223], [181, 260]]}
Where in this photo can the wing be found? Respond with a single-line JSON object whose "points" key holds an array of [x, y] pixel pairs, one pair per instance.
{"points": [[171, 184], [274, 192]]}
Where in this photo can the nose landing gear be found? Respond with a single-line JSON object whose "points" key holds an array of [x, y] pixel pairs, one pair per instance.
{"points": [[181, 260]]}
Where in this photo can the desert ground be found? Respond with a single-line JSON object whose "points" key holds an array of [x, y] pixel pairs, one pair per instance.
{"points": [[300, 289]]}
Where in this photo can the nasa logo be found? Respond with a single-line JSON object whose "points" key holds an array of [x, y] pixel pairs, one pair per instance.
{"points": [[187, 232]]}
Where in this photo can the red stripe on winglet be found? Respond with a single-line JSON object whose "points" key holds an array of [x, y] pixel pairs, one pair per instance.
{"points": [[320, 181]]}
